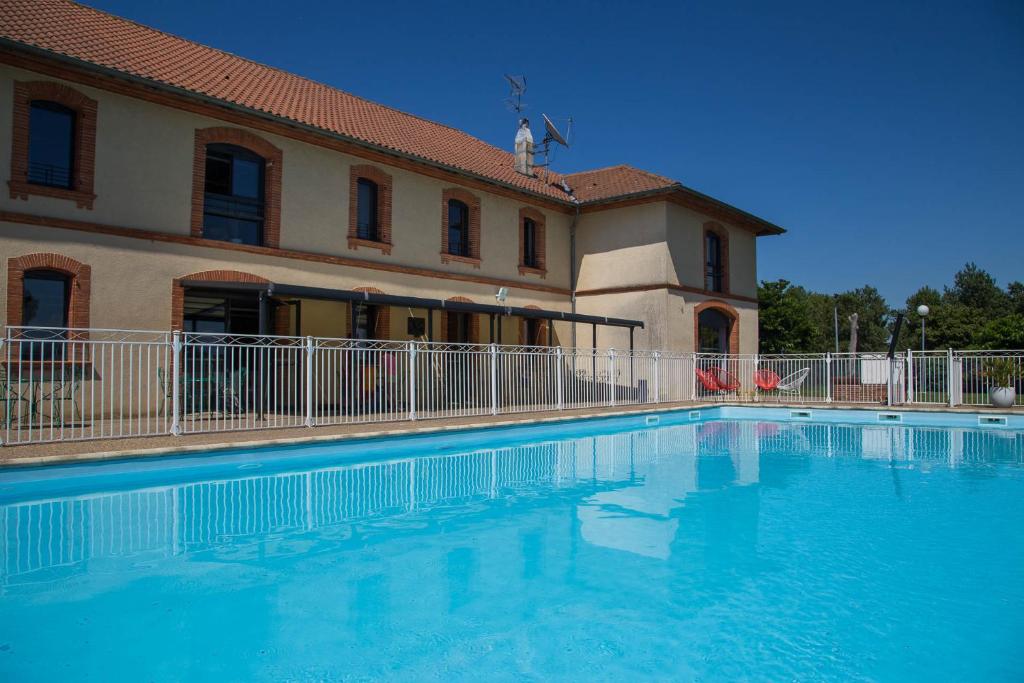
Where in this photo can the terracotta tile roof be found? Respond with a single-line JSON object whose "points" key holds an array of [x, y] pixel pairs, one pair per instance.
{"points": [[105, 40], [94, 37], [615, 181]]}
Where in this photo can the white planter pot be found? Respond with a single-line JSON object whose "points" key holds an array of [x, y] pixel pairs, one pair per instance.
{"points": [[1002, 397]]}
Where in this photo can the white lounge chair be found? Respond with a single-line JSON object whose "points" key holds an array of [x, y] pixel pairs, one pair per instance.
{"points": [[791, 385]]}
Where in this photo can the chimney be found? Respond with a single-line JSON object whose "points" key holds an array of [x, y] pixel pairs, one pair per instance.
{"points": [[524, 148]]}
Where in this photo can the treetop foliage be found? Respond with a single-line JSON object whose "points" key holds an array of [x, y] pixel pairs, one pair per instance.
{"points": [[973, 313]]}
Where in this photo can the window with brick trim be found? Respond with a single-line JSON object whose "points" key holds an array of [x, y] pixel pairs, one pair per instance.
{"points": [[224, 205], [532, 242], [233, 207], [368, 321], [716, 328], [460, 227], [533, 331], [48, 290], [54, 143], [716, 258], [369, 222]]}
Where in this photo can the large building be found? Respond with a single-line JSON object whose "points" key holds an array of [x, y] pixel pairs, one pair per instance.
{"points": [[155, 183]]}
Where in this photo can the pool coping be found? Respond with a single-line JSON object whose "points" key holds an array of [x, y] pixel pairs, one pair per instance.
{"points": [[29, 455]]}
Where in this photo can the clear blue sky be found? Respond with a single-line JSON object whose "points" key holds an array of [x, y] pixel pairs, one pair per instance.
{"points": [[888, 138]]}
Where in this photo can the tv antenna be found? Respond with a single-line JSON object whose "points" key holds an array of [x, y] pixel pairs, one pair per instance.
{"points": [[517, 86]]}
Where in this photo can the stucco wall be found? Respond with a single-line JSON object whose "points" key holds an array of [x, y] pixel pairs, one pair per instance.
{"points": [[144, 156], [622, 247], [131, 282]]}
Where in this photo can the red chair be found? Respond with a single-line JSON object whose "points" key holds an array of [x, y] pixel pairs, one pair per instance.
{"points": [[725, 379], [766, 380], [707, 379]]}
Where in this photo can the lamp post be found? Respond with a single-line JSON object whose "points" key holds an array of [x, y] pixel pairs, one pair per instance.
{"points": [[923, 311]]}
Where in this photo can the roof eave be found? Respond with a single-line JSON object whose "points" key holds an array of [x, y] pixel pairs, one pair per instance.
{"points": [[759, 226]]}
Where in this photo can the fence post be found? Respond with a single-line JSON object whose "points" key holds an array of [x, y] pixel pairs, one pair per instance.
{"points": [[412, 380], [828, 378], [949, 376], [176, 383], [611, 376], [7, 408], [558, 376], [693, 379], [494, 379], [310, 350], [657, 377], [910, 376]]}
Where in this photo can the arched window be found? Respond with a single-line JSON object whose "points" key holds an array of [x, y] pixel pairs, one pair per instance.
{"points": [[367, 219], [458, 228], [713, 267], [233, 209], [713, 331], [51, 144]]}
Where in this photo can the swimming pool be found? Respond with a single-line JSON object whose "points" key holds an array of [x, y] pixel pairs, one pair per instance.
{"points": [[714, 546]]}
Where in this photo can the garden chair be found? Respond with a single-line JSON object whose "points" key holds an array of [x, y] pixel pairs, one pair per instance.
{"points": [[9, 397], [726, 380], [708, 381], [766, 380], [64, 389], [792, 385]]}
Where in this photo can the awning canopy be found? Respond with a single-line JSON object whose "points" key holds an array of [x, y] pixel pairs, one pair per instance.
{"points": [[325, 294]]}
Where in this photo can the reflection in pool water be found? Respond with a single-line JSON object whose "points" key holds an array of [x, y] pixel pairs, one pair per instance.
{"points": [[721, 549]]}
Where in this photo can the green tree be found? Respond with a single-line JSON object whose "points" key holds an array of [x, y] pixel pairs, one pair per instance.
{"points": [[1005, 332], [1015, 293], [785, 323], [975, 289]]}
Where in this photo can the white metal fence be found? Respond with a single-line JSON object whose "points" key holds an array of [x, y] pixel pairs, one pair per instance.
{"points": [[63, 384]]}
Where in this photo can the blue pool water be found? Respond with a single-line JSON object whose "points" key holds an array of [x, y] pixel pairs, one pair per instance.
{"points": [[692, 549]]}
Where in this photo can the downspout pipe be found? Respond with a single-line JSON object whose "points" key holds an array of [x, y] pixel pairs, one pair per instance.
{"points": [[572, 266]]}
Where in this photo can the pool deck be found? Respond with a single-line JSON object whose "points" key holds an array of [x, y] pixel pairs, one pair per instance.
{"points": [[151, 446]]}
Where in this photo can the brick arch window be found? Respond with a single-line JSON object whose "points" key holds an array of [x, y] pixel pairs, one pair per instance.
{"points": [[369, 208], [716, 258], [178, 290], [533, 331], [532, 242], [719, 313], [458, 327], [460, 213], [53, 151], [368, 321], [226, 164], [76, 278]]}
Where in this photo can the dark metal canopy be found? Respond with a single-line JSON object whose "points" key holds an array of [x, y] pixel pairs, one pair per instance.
{"points": [[325, 294]]}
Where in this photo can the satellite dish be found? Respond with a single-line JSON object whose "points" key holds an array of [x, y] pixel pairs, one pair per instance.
{"points": [[502, 295], [553, 133]]}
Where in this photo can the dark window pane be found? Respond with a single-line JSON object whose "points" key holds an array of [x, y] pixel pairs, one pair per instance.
{"points": [[529, 243], [713, 329], [233, 209], [365, 326], [366, 221], [236, 230], [247, 178], [458, 328], [218, 173], [44, 300], [713, 267], [458, 228], [51, 144]]}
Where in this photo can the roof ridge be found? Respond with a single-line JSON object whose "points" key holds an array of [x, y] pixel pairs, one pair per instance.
{"points": [[273, 68]]}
